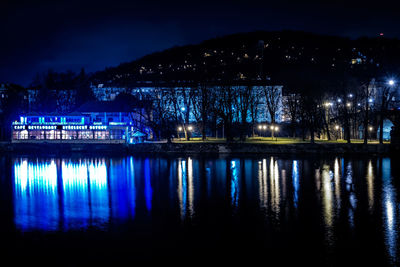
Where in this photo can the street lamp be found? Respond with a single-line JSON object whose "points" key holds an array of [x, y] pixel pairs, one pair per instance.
{"points": [[337, 128], [391, 82], [190, 128], [179, 131], [370, 128]]}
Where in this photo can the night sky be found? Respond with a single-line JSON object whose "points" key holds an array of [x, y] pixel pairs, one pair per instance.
{"points": [[68, 35]]}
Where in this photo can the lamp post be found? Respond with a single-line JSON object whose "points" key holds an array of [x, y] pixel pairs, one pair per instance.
{"points": [[259, 129], [276, 129], [178, 132], [338, 132], [370, 129], [327, 106]]}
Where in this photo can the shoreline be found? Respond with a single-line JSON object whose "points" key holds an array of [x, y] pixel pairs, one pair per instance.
{"points": [[199, 148]]}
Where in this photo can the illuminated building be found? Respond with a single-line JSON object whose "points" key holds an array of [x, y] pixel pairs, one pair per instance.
{"points": [[93, 123]]}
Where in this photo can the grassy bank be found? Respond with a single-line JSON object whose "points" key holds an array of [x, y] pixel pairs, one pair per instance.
{"points": [[275, 140]]}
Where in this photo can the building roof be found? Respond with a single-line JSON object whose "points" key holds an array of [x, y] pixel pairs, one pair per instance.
{"points": [[118, 105]]}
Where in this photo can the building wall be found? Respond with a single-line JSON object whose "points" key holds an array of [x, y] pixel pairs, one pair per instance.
{"points": [[109, 93]]}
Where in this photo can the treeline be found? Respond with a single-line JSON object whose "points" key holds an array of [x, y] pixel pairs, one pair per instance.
{"points": [[61, 91], [314, 105]]}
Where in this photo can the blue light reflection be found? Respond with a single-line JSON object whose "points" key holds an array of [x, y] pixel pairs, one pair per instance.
{"points": [[53, 195]]}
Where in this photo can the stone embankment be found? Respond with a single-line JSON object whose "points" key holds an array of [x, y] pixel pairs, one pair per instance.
{"points": [[240, 148], [198, 148]]}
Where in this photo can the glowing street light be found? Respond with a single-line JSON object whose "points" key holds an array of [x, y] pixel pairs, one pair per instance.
{"points": [[183, 108], [370, 128], [350, 95], [190, 128], [339, 100], [259, 127], [180, 129], [265, 127], [336, 127], [348, 104], [391, 82]]}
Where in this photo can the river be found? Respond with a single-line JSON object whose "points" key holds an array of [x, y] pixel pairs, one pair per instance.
{"points": [[282, 210]]}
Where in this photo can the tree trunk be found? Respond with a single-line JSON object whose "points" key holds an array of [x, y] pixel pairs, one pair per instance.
{"points": [[381, 129], [366, 122], [312, 140], [203, 131], [328, 133]]}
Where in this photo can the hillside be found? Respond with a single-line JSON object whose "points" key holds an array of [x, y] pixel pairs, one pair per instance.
{"points": [[258, 56]]}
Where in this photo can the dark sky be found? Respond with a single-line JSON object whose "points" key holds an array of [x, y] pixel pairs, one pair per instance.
{"points": [[68, 35]]}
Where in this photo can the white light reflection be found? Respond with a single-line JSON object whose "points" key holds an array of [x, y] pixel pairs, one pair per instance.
{"points": [[389, 211], [370, 185], [262, 183], [327, 196], [190, 188], [275, 187], [336, 173], [351, 193], [185, 188]]}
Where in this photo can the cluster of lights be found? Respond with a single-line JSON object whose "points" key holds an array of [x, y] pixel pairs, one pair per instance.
{"points": [[272, 127], [189, 128]]}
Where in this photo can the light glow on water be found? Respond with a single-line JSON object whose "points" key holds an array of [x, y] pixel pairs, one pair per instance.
{"points": [[54, 195], [235, 183], [262, 183], [274, 186], [335, 196], [35, 195], [370, 185], [296, 182], [390, 211]]}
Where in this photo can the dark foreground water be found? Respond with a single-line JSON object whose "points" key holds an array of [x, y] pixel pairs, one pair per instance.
{"points": [[188, 210]]}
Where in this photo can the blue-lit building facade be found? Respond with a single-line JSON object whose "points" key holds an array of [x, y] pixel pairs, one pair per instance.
{"points": [[68, 128], [100, 124]]}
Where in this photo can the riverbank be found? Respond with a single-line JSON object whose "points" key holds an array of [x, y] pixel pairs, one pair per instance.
{"points": [[198, 148]]}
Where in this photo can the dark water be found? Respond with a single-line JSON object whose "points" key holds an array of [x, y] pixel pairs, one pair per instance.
{"points": [[330, 211]]}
